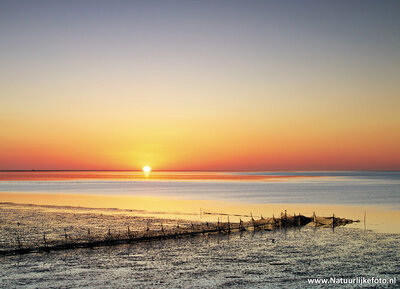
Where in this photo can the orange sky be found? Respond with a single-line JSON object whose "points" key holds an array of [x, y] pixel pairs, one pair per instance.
{"points": [[202, 87], [195, 146]]}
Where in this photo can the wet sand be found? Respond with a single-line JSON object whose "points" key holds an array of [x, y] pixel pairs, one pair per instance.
{"points": [[260, 259], [379, 218]]}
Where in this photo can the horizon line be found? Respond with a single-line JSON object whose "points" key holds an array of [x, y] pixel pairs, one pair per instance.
{"points": [[122, 170]]}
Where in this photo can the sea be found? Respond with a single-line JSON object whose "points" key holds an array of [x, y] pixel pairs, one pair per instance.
{"points": [[362, 255], [357, 188]]}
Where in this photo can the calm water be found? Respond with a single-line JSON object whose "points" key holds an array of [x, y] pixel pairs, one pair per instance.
{"points": [[256, 188]]}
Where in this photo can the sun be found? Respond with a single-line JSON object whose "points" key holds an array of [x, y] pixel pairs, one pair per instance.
{"points": [[147, 169]]}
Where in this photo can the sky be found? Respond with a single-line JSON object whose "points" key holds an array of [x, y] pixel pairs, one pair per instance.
{"points": [[200, 85]]}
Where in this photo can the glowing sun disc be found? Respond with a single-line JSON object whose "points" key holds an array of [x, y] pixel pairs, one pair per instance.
{"points": [[147, 169]]}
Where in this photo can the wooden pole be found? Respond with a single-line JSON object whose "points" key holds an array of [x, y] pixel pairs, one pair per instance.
{"points": [[162, 229], [285, 223], [254, 223], [18, 237], [365, 220], [314, 219]]}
